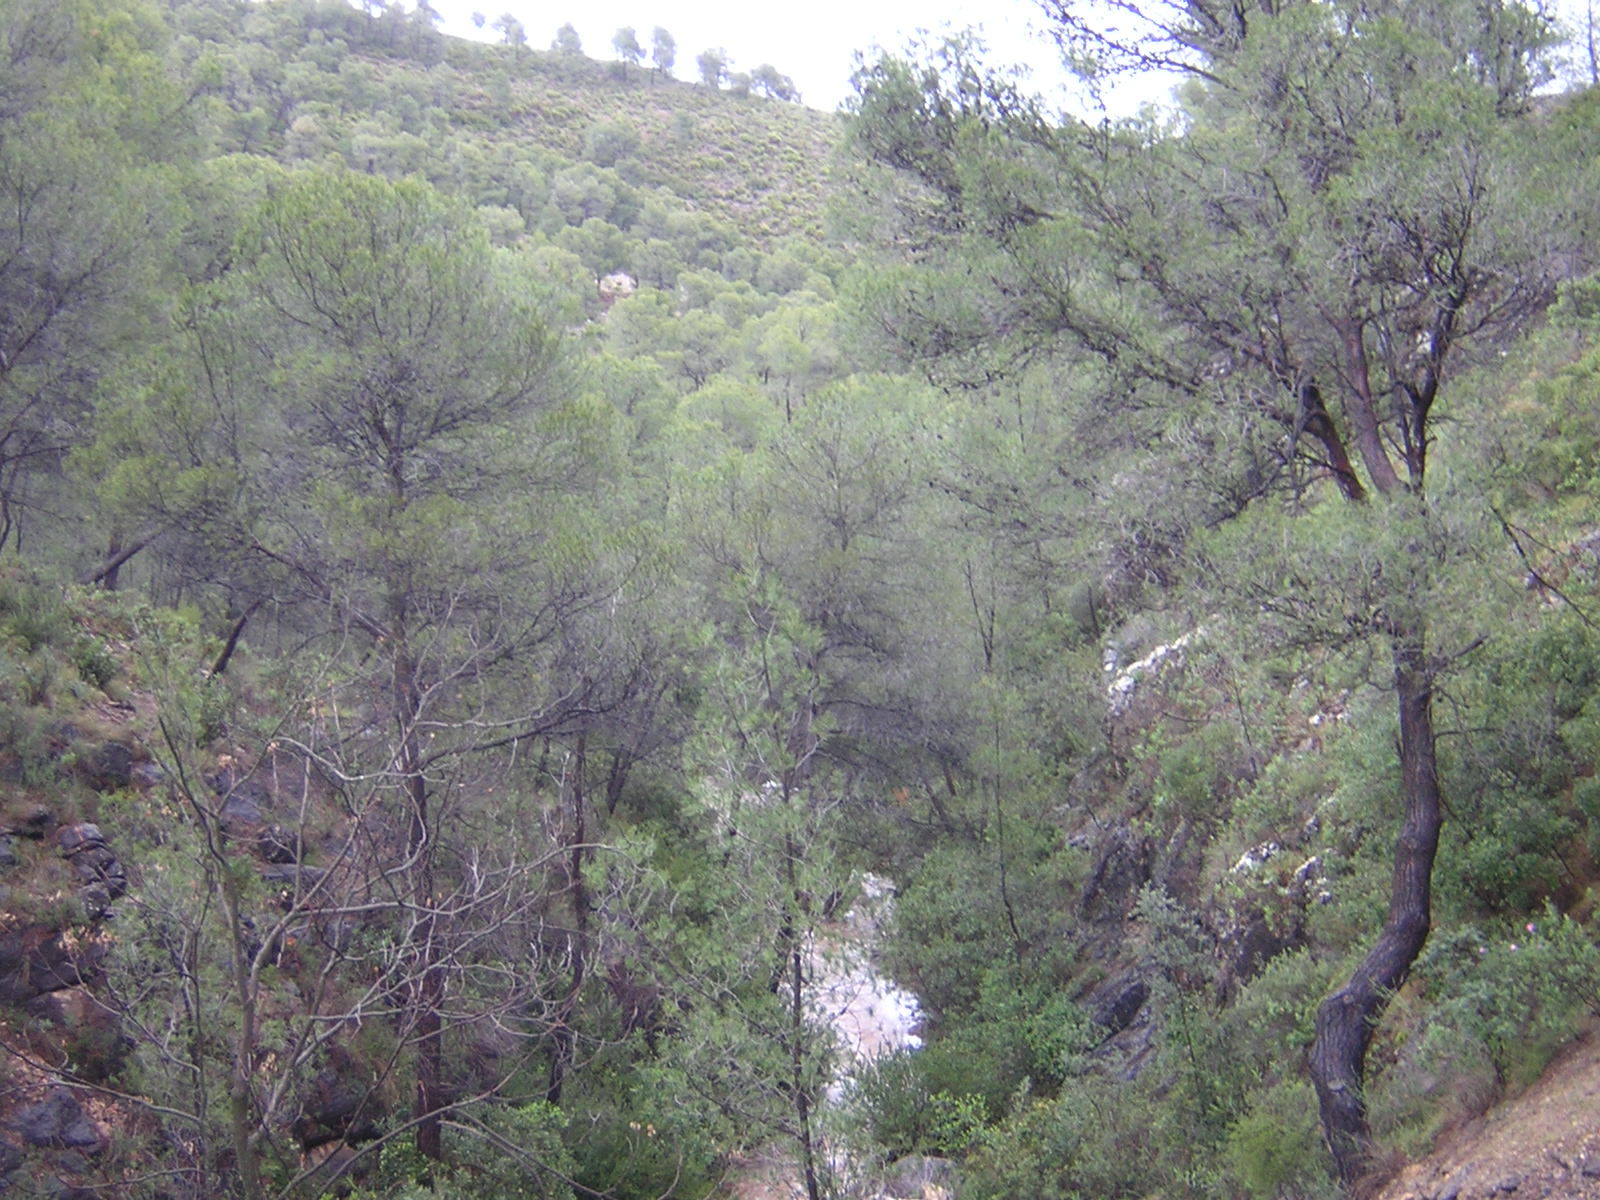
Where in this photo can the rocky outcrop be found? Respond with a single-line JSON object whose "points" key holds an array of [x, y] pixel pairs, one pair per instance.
{"points": [[37, 958], [101, 877], [57, 1122], [72, 1026], [1115, 1003], [1122, 865], [339, 1105]]}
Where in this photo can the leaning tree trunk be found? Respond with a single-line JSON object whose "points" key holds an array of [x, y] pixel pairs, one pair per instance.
{"points": [[1346, 1019]]}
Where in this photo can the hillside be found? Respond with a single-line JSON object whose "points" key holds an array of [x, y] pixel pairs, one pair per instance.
{"points": [[760, 164], [307, 79], [531, 592]]}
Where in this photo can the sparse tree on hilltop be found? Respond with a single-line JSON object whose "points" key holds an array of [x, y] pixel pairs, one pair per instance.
{"points": [[513, 31], [663, 50], [567, 41], [713, 66], [626, 43], [768, 81]]}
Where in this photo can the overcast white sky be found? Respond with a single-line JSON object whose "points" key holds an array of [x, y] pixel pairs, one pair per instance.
{"points": [[813, 42]]}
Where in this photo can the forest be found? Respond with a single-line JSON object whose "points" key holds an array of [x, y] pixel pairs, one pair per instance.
{"points": [[504, 556]]}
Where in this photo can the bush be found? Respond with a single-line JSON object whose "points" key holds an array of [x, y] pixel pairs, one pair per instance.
{"points": [[521, 1158], [1514, 992], [93, 661], [609, 143], [34, 614], [1275, 1150]]}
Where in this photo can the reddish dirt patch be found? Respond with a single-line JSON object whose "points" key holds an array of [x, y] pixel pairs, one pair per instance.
{"points": [[1543, 1142]]}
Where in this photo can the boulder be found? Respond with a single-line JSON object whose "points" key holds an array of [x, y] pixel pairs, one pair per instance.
{"points": [[1115, 1003], [339, 1105], [101, 877], [148, 775], [57, 1122], [106, 767], [290, 876], [1250, 944], [81, 1031], [39, 958], [278, 845]]}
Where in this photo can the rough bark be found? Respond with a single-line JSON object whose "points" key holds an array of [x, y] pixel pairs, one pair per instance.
{"points": [[1346, 1019]]}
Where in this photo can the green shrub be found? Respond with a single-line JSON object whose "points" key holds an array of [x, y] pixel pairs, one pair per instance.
{"points": [[892, 1099], [1514, 992], [1275, 1149], [33, 613], [1092, 1142], [520, 1157], [94, 661]]}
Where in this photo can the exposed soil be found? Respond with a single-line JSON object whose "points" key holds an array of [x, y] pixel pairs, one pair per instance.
{"points": [[1544, 1141]]}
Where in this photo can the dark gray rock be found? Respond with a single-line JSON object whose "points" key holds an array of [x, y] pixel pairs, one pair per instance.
{"points": [[81, 1031], [241, 812], [1121, 869], [1250, 944], [288, 875], [278, 845], [148, 774], [36, 958], [107, 767], [36, 822], [57, 1122], [101, 877], [1115, 1004], [339, 1105]]}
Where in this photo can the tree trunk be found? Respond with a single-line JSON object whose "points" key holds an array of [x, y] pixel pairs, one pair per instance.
{"points": [[429, 977], [798, 1035], [563, 1045], [1346, 1019], [234, 634], [117, 554]]}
